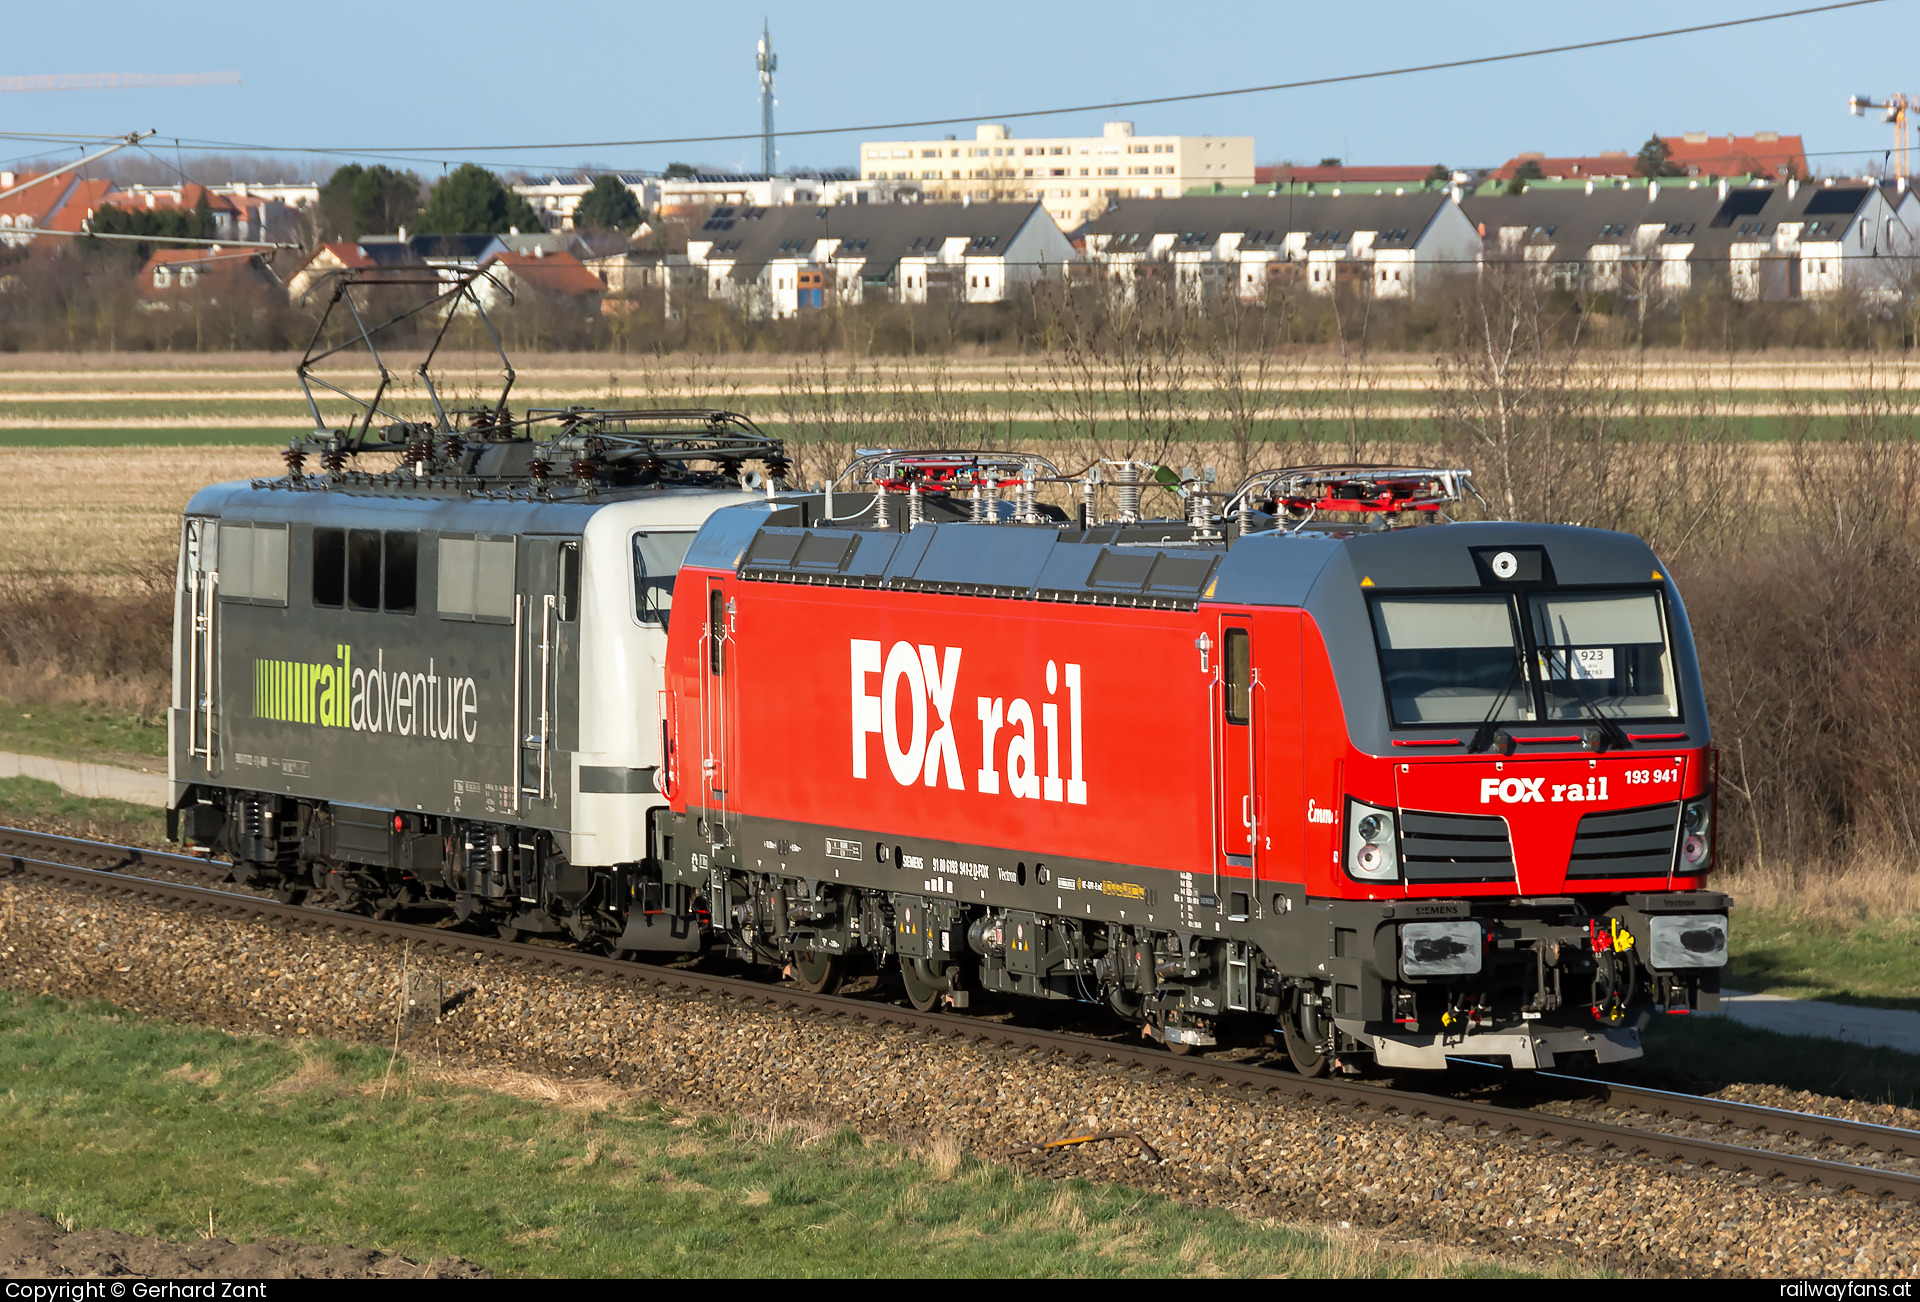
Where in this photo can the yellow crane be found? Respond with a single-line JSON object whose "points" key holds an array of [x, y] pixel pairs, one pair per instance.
{"points": [[1893, 109], [115, 80]]}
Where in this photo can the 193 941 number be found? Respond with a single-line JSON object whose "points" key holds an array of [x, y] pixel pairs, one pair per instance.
{"points": [[1649, 777]]}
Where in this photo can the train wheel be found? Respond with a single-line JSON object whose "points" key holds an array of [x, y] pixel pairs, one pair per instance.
{"points": [[1307, 1058], [511, 934], [923, 989], [820, 973], [290, 893]]}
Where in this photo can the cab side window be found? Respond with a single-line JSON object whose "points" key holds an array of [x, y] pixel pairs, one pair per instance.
{"points": [[330, 568], [366, 569], [253, 563], [402, 571], [363, 569]]}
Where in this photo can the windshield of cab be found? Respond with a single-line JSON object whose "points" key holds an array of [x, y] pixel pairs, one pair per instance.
{"points": [[1602, 653], [656, 563], [1450, 659], [1511, 657]]}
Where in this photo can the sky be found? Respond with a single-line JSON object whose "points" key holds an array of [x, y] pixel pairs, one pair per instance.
{"points": [[367, 77]]}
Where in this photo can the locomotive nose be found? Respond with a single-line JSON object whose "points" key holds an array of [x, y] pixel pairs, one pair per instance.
{"points": [[1545, 823]]}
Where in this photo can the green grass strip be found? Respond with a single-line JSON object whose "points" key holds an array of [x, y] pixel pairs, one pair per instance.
{"points": [[150, 1128], [1872, 962], [81, 732]]}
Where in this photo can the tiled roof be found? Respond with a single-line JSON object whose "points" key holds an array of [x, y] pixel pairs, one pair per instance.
{"points": [[1267, 219], [876, 236], [1573, 167], [36, 201], [558, 273], [1766, 153], [1390, 175]]}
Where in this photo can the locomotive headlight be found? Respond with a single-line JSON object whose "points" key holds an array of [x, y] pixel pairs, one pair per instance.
{"points": [[1373, 852], [1696, 828]]}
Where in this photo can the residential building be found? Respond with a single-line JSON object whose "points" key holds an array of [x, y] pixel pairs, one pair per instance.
{"points": [[779, 261], [237, 214], [1340, 179], [341, 255], [1610, 165], [1073, 176], [1764, 153], [539, 274], [555, 197], [1391, 246], [201, 274], [61, 203], [1759, 241], [1696, 154]]}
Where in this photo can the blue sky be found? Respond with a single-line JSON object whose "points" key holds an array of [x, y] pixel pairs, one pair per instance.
{"points": [[361, 75]]}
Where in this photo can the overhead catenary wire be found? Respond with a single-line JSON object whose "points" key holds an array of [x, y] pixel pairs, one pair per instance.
{"points": [[1106, 106]]}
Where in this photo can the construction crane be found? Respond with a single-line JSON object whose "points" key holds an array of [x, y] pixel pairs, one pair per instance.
{"points": [[1893, 109], [115, 80]]}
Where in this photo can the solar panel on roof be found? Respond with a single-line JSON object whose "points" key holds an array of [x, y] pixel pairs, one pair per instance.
{"points": [[1738, 204], [1839, 201]]}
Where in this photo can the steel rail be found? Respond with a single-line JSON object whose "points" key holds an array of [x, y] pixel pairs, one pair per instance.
{"points": [[1498, 1119]]}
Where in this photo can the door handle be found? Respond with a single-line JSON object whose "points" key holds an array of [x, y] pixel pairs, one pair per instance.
{"points": [[1246, 810]]}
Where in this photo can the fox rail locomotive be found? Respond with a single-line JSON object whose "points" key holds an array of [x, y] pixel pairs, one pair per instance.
{"points": [[1306, 758]]}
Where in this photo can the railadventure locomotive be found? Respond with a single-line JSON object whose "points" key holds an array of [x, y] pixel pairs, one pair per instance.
{"points": [[1283, 762]]}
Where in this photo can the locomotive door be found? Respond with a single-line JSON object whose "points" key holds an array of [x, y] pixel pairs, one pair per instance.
{"points": [[546, 645], [1239, 815], [717, 647], [201, 566]]}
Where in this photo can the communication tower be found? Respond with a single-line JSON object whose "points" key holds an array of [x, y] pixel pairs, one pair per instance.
{"points": [[767, 62]]}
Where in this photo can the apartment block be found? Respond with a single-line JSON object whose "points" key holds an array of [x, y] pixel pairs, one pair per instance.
{"points": [[1073, 177]]}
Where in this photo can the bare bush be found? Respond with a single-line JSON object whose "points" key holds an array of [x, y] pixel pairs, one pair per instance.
{"points": [[60, 643]]}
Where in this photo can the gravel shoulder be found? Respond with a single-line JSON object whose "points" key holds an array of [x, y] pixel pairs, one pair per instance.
{"points": [[1405, 1178]]}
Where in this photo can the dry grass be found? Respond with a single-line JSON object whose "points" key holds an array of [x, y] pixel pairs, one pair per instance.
{"points": [[313, 1073], [1839, 890], [573, 1095], [945, 1156], [106, 518]]}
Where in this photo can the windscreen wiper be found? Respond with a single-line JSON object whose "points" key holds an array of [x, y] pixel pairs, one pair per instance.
{"points": [[1487, 734], [1606, 734]]}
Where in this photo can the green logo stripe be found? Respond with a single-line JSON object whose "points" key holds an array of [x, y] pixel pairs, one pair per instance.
{"points": [[296, 691]]}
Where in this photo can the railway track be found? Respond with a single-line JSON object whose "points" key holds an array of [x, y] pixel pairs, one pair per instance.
{"points": [[160, 875]]}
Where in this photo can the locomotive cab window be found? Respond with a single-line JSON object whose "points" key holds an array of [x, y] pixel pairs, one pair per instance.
{"points": [[1451, 659], [1603, 653], [330, 568], [1238, 669], [401, 571], [569, 598], [253, 563], [656, 562], [475, 580], [363, 569]]}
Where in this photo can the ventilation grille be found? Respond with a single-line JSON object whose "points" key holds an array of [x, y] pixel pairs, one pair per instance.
{"points": [[1455, 848], [1626, 842]]}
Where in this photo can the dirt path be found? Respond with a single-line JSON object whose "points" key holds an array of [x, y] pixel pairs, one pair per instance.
{"points": [[37, 1247]]}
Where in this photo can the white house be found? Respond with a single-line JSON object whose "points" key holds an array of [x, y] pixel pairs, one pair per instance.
{"points": [[782, 260], [1391, 244]]}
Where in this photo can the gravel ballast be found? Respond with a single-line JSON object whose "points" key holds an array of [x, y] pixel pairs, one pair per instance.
{"points": [[1269, 1157]]}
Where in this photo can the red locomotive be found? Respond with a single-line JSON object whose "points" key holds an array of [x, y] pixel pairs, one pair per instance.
{"points": [[1286, 762]]}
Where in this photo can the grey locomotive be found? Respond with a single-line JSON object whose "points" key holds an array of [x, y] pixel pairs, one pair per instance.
{"points": [[441, 682]]}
